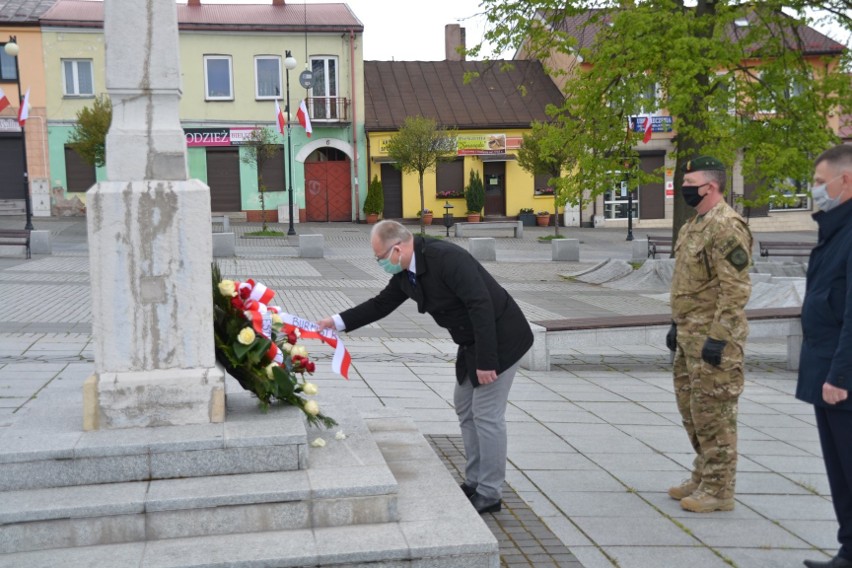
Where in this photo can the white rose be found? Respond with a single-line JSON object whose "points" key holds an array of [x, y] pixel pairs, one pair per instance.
{"points": [[228, 288], [340, 435], [309, 388], [246, 336], [276, 319], [299, 350], [269, 369], [318, 443], [312, 408], [286, 347]]}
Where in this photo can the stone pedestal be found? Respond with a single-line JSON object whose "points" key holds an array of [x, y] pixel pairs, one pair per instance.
{"points": [[152, 320]]}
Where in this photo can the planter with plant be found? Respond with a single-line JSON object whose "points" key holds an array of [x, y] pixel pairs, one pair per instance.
{"points": [[527, 216], [374, 203], [474, 196], [542, 218], [426, 215]]}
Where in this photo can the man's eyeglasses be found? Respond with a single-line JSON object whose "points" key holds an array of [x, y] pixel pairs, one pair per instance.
{"points": [[387, 252]]}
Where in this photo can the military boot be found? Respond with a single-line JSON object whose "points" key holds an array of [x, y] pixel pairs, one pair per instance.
{"points": [[685, 489], [701, 502]]}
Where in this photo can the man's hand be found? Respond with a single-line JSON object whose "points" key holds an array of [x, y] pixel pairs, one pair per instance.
{"points": [[712, 351], [326, 323], [671, 337], [486, 377], [832, 394]]}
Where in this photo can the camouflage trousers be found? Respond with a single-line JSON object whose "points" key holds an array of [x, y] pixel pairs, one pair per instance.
{"points": [[707, 400]]}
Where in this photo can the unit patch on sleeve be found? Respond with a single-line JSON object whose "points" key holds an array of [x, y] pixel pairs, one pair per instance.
{"points": [[738, 258]]}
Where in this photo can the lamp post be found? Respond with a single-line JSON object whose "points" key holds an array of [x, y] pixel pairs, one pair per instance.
{"points": [[289, 64], [629, 200], [12, 50]]}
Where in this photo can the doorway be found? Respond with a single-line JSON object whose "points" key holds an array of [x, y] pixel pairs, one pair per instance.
{"points": [[328, 186], [495, 188], [392, 191]]}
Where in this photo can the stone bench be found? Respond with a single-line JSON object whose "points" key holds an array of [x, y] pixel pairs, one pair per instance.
{"points": [[558, 336], [659, 244], [224, 220], [311, 246], [10, 237], [516, 226], [483, 248], [779, 248]]}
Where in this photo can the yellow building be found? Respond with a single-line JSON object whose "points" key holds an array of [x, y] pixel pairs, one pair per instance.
{"points": [[489, 116]]}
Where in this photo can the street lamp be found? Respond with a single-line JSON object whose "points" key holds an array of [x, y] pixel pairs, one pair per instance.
{"points": [[12, 50], [627, 165], [289, 64]]}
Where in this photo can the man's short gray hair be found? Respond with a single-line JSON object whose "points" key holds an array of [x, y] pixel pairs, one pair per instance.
{"points": [[838, 157], [390, 232], [719, 176]]}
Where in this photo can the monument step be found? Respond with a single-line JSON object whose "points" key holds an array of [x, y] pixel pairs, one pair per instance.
{"points": [[47, 447], [43, 519], [436, 525]]}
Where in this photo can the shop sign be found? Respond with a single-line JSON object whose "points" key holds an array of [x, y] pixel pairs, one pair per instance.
{"points": [[669, 190], [9, 125], [240, 135], [474, 144], [196, 137], [658, 123]]}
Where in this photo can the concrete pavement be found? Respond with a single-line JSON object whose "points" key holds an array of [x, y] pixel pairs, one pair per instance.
{"points": [[593, 444]]}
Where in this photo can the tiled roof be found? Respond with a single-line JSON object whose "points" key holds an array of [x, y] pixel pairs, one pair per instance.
{"points": [[395, 90], [814, 42], [23, 11], [222, 17]]}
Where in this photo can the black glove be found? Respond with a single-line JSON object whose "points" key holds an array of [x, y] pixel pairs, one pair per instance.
{"points": [[671, 337], [712, 351]]}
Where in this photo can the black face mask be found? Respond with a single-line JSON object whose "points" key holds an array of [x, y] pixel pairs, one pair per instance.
{"points": [[690, 194]]}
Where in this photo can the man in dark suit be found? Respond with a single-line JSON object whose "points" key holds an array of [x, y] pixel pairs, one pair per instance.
{"points": [[825, 366], [483, 320]]}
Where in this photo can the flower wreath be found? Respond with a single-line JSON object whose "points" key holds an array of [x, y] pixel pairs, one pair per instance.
{"points": [[259, 350]]}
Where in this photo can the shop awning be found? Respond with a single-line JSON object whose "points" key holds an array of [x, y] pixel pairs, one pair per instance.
{"points": [[384, 160], [497, 157]]}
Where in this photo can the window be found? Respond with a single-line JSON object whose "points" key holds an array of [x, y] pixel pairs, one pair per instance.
{"points": [[217, 78], [324, 90], [541, 185], [793, 195], [267, 73], [617, 202], [7, 65], [649, 97], [77, 78], [449, 178]]}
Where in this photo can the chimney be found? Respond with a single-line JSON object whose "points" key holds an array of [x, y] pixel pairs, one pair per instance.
{"points": [[453, 39], [193, 3]]}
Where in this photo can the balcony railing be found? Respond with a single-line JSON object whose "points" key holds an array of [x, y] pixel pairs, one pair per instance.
{"points": [[328, 109]]}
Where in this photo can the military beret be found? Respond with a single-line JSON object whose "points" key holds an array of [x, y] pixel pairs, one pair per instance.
{"points": [[703, 163]]}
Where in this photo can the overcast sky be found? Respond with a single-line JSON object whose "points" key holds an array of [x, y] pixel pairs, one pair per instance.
{"points": [[413, 30]]}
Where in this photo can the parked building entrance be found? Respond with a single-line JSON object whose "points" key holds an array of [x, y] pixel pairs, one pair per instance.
{"points": [[495, 188], [392, 191], [223, 178], [328, 186], [11, 167]]}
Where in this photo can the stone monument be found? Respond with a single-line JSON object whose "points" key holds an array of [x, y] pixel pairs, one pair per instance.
{"points": [[150, 241]]}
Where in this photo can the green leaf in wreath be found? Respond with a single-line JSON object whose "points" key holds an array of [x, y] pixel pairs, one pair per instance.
{"points": [[240, 350]]}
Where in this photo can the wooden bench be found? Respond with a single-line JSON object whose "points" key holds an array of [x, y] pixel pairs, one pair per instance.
{"points": [[516, 226], [559, 336], [658, 244], [16, 237], [780, 248]]}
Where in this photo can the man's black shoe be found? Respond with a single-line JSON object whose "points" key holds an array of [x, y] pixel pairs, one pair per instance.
{"points": [[468, 491], [484, 504], [836, 562]]}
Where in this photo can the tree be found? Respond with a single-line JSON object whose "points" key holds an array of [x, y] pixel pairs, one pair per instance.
{"points": [[737, 78], [418, 147], [544, 152], [260, 147], [88, 138]]}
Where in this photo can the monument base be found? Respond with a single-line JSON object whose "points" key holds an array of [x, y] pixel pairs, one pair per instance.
{"points": [[165, 397]]}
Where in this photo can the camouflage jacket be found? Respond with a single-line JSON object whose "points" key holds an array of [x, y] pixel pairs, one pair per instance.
{"points": [[711, 284]]}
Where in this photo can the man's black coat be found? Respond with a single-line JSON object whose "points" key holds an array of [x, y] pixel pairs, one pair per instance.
{"points": [[461, 296]]}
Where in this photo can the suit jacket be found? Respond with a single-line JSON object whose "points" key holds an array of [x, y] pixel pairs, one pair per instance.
{"points": [[827, 310], [461, 296]]}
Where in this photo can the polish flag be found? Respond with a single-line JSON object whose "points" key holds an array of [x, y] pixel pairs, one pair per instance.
{"points": [[4, 101], [304, 119], [647, 137], [24, 111], [279, 118]]}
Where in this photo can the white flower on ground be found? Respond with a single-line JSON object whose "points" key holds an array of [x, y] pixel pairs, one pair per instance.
{"points": [[318, 443], [311, 407], [246, 336], [340, 435], [310, 388]]}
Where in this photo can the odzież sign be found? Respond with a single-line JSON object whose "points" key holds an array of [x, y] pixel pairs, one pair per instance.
{"points": [[196, 137]]}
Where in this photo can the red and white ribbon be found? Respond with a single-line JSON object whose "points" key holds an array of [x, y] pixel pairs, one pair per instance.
{"points": [[341, 361]]}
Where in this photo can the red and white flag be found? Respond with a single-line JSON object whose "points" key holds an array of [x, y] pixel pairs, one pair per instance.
{"points": [[647, 136], [4, 100], [279, 118], [24, 111], [304, 119]]}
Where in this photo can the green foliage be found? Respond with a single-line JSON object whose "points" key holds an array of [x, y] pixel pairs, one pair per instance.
{"points": [[260, 147], [375, 200], [748, 95], [418, 147], [88, 138], [474, 193]]}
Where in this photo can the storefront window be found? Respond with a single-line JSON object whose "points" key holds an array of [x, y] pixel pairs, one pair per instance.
{"points": [[616, 201]]}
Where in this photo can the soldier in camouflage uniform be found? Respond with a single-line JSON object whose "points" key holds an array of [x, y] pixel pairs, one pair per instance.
{"points": [[710, 289]]}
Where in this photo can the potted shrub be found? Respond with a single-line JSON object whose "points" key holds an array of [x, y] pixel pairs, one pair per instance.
{"points": [[474, 196], [527, 216], [426, 215], [374, 203], [542, 218]]}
